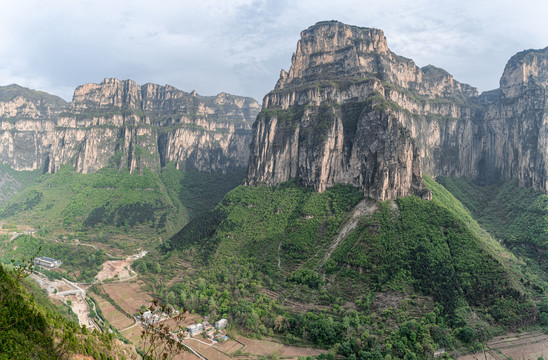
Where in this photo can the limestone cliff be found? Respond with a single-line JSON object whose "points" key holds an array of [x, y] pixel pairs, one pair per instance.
{"points": [[349, 110], [119, 123], [516, 122]]}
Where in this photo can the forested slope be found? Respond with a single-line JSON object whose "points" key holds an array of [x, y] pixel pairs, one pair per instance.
{"points": [[409, 276]]}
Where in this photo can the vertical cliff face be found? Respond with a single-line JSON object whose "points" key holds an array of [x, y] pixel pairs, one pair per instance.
{"points": [[348, 111], [119, 123], [516, 122], [26, 116], [351, 111]]}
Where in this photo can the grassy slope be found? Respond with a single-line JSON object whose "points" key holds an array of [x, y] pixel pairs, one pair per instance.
{"points": [[516, 216], [12, 181], [98, 205], [268, 244], [122, 210]]}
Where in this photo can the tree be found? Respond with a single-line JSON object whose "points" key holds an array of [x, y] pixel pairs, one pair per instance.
{"points": [[160, 340]]}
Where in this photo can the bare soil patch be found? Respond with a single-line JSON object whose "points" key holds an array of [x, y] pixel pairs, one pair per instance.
{"points": [[185, 355], [130, 296], [527, 346], [115, 269], [268, 347], [60, 285], [112, 315], [133, 334], [207, 351], [230, 346], [81, 309]]}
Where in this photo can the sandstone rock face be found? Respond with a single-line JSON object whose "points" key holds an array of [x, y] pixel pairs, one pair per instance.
{"points": [[119, 123], [351, 111]]}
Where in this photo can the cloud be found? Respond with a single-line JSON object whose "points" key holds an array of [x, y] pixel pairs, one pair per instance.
{"points": [[240, 46]]}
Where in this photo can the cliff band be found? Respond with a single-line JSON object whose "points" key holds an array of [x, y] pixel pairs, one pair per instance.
{"points": [[119, 123], [351, 111]]}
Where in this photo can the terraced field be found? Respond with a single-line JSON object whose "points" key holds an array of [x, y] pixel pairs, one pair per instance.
{"points": [[526, 346]]}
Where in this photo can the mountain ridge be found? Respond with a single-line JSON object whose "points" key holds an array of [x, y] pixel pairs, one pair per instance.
{"points": [[144, 126]]}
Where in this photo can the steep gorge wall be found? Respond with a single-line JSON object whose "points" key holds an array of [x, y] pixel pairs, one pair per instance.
{"points": [[119, 123], [516, 122], [349, 110]]}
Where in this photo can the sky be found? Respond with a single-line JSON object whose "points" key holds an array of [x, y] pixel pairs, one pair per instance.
{"points": [[240, 46]]}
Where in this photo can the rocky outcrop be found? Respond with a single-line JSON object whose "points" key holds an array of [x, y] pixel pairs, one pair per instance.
{"points": [[516, 122], [351, 111], [17, 102], [119, 123], [348, 111]]}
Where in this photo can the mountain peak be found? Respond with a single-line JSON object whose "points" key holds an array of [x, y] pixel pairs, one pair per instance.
{"points": [[331, 48], [525, 68]]}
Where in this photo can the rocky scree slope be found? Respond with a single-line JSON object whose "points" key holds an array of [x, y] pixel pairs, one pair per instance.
{"points": [[351, 111], [122, 124]]}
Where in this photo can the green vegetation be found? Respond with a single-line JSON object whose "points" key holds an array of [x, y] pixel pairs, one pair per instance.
{"points": [[412, 276], [14, 181], [108, 200], [80, 263], [427, 246], [116, 207], [516, 216], [10, 92], [200, 192], [31, 327]]}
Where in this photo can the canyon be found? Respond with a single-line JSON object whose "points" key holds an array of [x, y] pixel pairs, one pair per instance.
{"points": [[348, 111]]}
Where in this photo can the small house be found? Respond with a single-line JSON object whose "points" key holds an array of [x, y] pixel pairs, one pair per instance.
{"points": [[221, 324], [194, 329]]}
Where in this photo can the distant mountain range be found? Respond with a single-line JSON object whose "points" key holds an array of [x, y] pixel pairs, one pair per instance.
{"points": [[126, 125]]}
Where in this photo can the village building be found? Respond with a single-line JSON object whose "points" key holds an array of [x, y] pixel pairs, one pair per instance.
{"points": [[194, 329], [47, 262], [221, 324], [210, 333]]}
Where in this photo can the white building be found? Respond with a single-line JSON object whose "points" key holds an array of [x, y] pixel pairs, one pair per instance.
{"points": [[47, 262], [195, 329], [221, 324]]}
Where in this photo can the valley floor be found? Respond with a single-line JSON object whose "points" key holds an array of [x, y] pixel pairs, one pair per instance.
{"points": [[527, 346], [123, 295]]}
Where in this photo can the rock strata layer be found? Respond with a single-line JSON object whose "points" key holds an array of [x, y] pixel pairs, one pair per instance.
{"points": [[351, 111], [119, 123]]}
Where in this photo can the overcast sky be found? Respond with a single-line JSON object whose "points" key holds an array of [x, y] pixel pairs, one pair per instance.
{"points": [[239, 46]]}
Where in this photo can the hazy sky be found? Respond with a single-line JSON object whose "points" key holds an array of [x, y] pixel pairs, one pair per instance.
{"points": [[239, 46]]}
